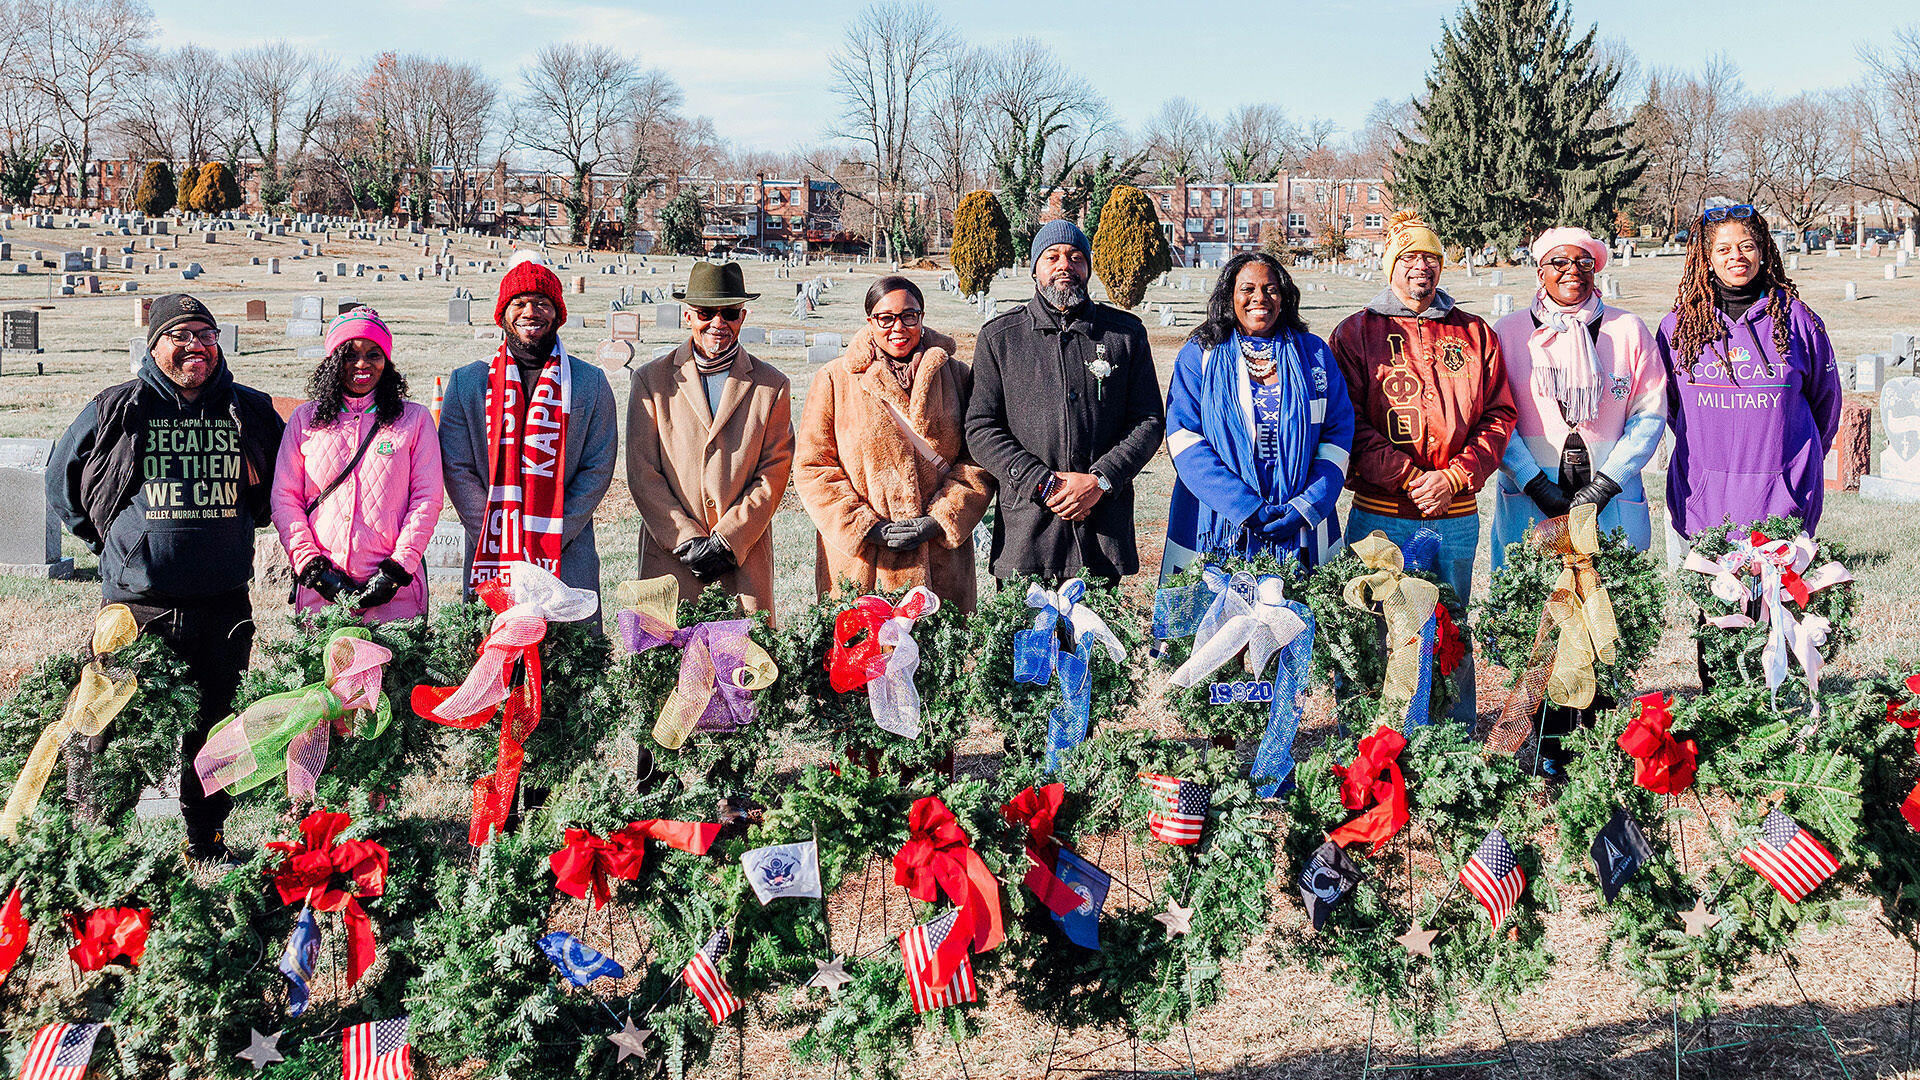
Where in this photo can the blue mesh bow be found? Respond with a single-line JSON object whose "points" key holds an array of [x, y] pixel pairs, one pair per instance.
{"points": [[1037, 656], [1233, 614], [1423, 554]]}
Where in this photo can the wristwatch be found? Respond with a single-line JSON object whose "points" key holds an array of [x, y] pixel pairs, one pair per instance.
{"points": [[1106, 485]]}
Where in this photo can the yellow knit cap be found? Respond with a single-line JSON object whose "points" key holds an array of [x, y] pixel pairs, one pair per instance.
{"points": [[1406, 232]]}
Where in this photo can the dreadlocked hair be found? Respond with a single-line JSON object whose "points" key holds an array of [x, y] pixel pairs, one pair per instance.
{"points": [[1697, 322], [329, 392]]}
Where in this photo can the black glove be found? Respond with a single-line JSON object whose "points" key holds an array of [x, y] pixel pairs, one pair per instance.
{"points": [[877, 535], [1548, 496], [707, 557], [1598, 493], [385, 584], [907, 535], [323, 577]]}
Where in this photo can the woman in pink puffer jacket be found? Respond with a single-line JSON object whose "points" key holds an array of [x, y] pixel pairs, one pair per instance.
{"points": [[365, 541]]}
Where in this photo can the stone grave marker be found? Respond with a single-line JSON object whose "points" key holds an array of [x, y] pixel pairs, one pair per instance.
{"points": [[753, 335], [666, 316], [623, 325], [305, 328], [828, 339], [20, 330], [1899, 477], [142, 309], [660, 351], [256, 311], [74, 262], [820, 354], [1852, 448], [1869, 371], [1853, 292], [310, 307], [29, 531], [460, 311], [230, 339], [785, 338], [446, 554], [614, 355], [347, 303]]}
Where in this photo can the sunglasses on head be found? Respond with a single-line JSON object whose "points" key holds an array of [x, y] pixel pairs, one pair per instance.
{"points": [[1727, 213], [707, 314]]}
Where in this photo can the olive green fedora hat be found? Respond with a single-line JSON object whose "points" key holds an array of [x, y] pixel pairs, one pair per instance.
{"points": [[709, 285]]}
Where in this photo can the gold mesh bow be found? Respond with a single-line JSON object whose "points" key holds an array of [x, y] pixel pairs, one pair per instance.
{"points": [[650, 616], [96, 699], [1577, 628], [1407, 603]]}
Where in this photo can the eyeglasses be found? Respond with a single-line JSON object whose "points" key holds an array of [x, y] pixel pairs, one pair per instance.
{"points": [[886, 319], [707, 314], [1727, 213], [187, 337], [1559, 264]]}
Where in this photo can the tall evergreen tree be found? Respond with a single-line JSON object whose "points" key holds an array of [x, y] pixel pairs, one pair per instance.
{"points": [[1514, 133]]}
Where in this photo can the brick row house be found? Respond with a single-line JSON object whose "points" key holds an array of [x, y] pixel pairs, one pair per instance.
{"points": [[1212, 220]]}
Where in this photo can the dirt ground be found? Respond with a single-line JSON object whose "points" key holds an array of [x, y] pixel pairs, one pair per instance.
{"points": [[1275, 1021]]}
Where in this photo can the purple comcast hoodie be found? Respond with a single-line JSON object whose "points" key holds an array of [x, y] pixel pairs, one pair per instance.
{"points": [[1751, 428]]}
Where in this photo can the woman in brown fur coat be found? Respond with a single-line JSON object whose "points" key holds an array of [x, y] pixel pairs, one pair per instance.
{"points": [[881, 463]]}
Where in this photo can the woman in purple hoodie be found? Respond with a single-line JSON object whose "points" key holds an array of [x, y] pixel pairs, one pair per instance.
{"points": [[1753, 394]]}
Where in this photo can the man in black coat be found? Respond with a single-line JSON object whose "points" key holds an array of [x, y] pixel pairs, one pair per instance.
{"points": [[166, 477], [1066, 410]]}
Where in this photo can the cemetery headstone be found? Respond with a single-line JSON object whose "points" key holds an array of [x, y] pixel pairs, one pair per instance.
{"points": [[623, 325], [29, 531], [614, 355], [1899, 477], [347, 303], [666, 316], [820, 354], [1869, 371], [230, 339], [753, 335], [1852, 447], [446, 554], [829, 339], [786, 338], [256, 311], [20, 330]]}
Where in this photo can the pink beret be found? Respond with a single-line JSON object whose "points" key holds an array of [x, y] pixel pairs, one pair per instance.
{"points": [[360, 322], [1564, 235]]}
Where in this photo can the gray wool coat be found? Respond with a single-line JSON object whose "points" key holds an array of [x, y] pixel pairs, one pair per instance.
{"points": [[1037, 408], [593, 445]]}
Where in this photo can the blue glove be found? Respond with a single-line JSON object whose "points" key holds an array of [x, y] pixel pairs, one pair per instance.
{"points": [[1277, 522]]}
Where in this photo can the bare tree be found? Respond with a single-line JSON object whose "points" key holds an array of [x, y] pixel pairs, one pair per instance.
{"points": [[182, 107], [1807, 148], [1375, 144], [24, 116], [1179, 142], [578, 99], [439, 111], [881, 74], [1255, 142], [659, 144], [1044, 123], [284, 93], [1686, 127], [952, 137], [1885, 109], [82, 56]]}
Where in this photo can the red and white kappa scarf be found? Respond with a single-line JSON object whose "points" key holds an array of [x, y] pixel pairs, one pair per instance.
{"points": [[527, 470]]}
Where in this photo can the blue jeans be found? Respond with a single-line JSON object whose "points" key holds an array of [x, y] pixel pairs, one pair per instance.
{"points": [[1459, 539]]}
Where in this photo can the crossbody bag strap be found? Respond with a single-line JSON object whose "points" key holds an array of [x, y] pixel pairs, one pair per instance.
{"points": [[348, 471]]}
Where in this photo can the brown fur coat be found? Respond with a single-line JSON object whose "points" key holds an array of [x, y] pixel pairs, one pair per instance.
{"points": [[854, 468]]}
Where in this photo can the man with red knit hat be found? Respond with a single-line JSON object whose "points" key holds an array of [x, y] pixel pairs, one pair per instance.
{"points": [[528, 440]]}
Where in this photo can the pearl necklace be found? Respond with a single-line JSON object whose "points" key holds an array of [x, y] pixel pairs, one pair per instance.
{"points": [[1259, 359]]}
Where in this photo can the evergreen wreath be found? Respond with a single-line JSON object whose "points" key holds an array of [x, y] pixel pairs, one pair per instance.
{"points": [[1508, 620], [824, 717], [1142, 979], [1455, 796], [1021, 709], [1748, 760], [1193, 705], [627, 700], [1734, 654], [573, 660], [411, 744], [142, 742], [1348, 643]]}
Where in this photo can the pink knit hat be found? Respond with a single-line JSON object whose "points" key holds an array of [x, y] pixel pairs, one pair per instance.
{"points": [[360, 322], [1563, 235]]}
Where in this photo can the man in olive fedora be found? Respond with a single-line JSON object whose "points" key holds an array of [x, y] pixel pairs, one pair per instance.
{"points": [[710, 447]]}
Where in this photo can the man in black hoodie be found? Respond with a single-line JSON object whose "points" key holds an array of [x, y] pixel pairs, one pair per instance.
{"points": [[166, 478]]}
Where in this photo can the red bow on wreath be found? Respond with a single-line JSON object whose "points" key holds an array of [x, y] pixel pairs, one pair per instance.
{"points": [[1036, 809], [1661, 764], [1909, 718], [1448, 646], [586, 861], [108, 934], [334, 877], [1362, 785], [939, 858]]}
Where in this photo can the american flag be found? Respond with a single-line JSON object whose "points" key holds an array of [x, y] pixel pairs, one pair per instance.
{"points": [[1789, 857], [1186, 809], [917, 947], [60, 1052], [377, 1051], [705, 980], [1494, 877]]}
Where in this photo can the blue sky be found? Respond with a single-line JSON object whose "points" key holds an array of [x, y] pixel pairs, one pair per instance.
{"points": [[760, 70]]}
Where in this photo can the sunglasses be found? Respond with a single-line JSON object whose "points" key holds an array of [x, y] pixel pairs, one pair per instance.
{"points": [[1727, 213], [1560, 263], [188, 337], [887, 319], [707, 314]]}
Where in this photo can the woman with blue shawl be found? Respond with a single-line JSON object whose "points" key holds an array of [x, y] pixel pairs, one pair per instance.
{"points": [[1259, 426]]}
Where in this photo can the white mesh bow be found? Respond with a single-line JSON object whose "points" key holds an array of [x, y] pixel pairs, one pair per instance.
{"points": [[1247, 614], [894, 699]]}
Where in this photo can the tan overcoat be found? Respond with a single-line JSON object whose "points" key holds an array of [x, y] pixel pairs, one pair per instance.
{"points": [[856, 467], [695, 473]]}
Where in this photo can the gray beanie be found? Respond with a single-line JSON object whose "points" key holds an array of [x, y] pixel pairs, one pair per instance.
{"points": [[1057, 231]]}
